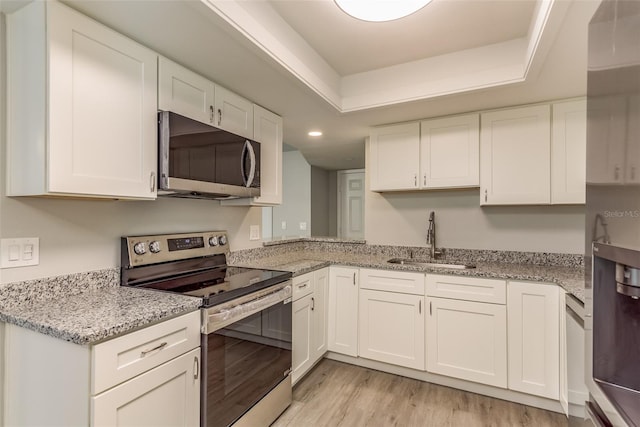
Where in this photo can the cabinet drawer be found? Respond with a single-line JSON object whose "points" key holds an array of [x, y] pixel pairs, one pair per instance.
{"points": [[302, 285], [122, 358], [467, 288], [392, 281]]}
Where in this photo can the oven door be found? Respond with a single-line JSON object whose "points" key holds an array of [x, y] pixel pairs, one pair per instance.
{"points": [[246, 353]]}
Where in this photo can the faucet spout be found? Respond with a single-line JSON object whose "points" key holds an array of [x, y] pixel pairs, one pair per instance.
{"points": [[431, 236]]}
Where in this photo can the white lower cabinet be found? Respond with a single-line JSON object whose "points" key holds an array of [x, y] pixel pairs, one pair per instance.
{"points": [[166, 395], [467, 328], [467, 340], [148, 377], [301, 358], [343, 310], [392, 328], [309, 327], [534, 338], [391, 317]]}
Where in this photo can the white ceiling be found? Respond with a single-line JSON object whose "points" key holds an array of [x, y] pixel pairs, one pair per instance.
{"points": [[305, 60], [352, 46]]}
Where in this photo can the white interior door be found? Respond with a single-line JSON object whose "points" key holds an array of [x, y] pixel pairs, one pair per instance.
{"points": [[351, 204]]}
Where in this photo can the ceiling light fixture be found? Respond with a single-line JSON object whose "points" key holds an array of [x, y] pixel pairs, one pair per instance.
{"points": [[380, 10], [315, 133]]}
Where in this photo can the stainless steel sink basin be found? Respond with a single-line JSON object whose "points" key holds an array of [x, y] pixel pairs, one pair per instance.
{"points": [[409, 261]]}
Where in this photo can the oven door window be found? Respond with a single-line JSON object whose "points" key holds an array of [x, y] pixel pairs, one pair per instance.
{"points": [[244, 361]]}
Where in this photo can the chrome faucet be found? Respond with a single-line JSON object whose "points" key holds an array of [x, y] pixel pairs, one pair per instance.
{"points": [[431, 236]]}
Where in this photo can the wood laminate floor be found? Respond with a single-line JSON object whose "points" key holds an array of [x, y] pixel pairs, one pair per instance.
{"points": [[337, 394]]}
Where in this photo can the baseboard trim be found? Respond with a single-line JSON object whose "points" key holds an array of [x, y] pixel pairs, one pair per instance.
{"points": [[498, 393]]}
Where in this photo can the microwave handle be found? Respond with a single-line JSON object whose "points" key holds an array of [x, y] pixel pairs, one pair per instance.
{"points": [[248, 149]]}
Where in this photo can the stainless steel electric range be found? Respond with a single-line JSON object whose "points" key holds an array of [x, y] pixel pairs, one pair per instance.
{"points": [[246, 322]]}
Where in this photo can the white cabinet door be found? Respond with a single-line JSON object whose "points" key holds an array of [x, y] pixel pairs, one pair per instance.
{"points": [[95, 132], [343, 310], [606, 123], [569, 152], [267, 130], [514, 156], [391, 328], [320, 313], [467, 340], [233, 113], [301, 354], [184, 92], [168, 395], [394, 158], [450, 151], [534, 329]]}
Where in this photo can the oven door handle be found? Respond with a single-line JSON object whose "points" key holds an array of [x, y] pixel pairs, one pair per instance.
{"points": [[226, 315]]}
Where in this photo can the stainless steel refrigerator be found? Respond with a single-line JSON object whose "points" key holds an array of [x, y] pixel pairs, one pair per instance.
{"points": [[612, 243]]}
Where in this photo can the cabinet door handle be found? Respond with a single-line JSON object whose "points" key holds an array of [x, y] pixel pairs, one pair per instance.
{"points": [[633, 173], [616, 173], [211, 113], [157, 348], [196, 367], [152, 184], [219, 116], [485, 195], [354, 278], [313, 303], [430, 308], [420, 307], [415, 179], [424, 180]]}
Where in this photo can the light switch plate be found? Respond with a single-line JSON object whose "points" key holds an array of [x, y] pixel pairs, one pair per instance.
{"points": [[303, 226], [254, 232], [19, 252]]}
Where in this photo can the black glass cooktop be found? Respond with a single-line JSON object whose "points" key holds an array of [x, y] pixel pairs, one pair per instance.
{"points": [[215, 284]]}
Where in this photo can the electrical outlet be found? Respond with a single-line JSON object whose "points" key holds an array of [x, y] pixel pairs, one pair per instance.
{"points": [[254, 232], [284, 225], [19, 252], [303, 226]]}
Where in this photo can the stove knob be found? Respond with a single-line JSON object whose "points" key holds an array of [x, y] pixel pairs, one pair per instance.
{"points": [[154, 247], [139, 248], [222, 239], [213, 241]]}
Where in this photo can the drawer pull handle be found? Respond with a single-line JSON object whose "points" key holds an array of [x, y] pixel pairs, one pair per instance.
{"points": [[304, 285], [159, 347]]}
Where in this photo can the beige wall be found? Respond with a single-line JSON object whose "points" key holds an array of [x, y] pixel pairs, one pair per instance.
{"points": [[402, 218], [83, 235]]}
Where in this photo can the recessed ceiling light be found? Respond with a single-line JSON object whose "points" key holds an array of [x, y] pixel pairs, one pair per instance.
{"points": [[380, 10], [315, 133]]}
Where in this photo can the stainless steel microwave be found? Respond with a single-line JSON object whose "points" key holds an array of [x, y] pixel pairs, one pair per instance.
{"points": [[197, 160]]}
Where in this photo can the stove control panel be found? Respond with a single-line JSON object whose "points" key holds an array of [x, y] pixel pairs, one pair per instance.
{"points": [[153, 249]]}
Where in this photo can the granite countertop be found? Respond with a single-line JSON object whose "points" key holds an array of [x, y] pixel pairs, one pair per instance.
{"points": [[569, 278], [293, 239], [87, 313]]}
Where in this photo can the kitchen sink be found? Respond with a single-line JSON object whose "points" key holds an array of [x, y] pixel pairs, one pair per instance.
{"points": [[424, 263]]}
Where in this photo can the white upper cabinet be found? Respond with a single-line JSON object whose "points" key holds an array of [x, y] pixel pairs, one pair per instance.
{"points": [[394, 158], [184, 92], [267, 130], [233, 113], [515, 156], [82, 107], [449, 152], [606, 123], [569, 152], [191, 95], [432, 154]]}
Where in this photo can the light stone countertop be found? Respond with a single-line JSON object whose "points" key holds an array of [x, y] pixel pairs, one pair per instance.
{"points": [[301, 262], [87, 308]]}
